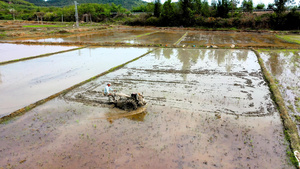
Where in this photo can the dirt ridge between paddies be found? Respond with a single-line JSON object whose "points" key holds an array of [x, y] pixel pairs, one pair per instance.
{"points": [[40, 102], [290, 127], [39, 56]]}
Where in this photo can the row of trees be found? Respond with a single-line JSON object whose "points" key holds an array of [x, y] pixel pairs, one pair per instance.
{"points": [[221, 13], [94, 12]]}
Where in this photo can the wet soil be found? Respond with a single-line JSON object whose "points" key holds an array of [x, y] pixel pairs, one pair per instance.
{"points": [[111, 35], [285, 67], [241, 39], [26, 82], [18, 51], [206, 109], [164, 37]]}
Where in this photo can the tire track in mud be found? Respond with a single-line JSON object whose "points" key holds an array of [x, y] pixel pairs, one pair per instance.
{"points": [[290, 127], [40, 102]]}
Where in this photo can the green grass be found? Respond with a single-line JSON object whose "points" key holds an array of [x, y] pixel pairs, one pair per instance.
{"points": [[297, 118], [290, 38], [43, 26], [3, 34]]}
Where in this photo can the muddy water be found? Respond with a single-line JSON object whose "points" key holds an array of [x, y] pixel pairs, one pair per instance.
{"points": [[168, 38], [23, 83], [285, 67], [198, 116], [18, 51], [106, 36], [228, 38]]}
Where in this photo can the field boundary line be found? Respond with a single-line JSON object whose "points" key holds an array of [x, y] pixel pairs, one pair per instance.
{"points": [[290, 128], [65, 91], [179, 40], [39, 56]]}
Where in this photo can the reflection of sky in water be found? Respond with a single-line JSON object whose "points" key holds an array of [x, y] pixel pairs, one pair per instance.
{"points": [[35, 79], [49, 40], [17, 51]]}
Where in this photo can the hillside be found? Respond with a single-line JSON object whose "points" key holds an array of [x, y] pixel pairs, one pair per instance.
{"points": [[15, 2], [128, 4]]}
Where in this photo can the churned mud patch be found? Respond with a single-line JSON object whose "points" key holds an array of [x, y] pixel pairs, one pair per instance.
{"points": [[241, 39], [33, 80], [206, 109], [284, 65]]}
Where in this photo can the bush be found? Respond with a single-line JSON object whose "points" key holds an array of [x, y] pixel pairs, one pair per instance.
{"points": [[153, 21]]}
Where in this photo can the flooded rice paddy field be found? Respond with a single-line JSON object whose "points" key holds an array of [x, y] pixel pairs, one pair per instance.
{"points": [[102, 36], [18, 51], [206, 109], [165, 37], [151, 36], [284, 65], [241, 39], [23, 83]]}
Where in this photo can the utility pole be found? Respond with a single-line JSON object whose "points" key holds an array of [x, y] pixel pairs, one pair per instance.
{"points": [[76, 14]]}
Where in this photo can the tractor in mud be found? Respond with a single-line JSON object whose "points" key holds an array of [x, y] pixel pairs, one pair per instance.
{"points": [[127, 102]]}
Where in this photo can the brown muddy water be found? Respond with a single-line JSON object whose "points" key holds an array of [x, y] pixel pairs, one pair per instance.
{"points": [[17, 51], [285, 68], [166, 38], [102, 36], [237, 38], [206, 109], [26, 82]]}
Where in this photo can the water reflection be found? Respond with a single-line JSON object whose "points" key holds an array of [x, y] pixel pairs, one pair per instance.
{"points": [[275, 64], [136, 115], [204, 59], [167, 53], [187, 58]]}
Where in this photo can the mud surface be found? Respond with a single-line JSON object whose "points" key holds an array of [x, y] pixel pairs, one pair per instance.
{"points": [[102, 36], [26, 82], [165, 37], [17, 51], [285, 67], [237, 38], [206, 109]]}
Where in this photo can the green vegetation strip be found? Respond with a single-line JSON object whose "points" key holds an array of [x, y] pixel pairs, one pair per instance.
{"points": [[43, 26], [179, 40], [43, 55], [291, 131], [40, 102], [289, 38]]}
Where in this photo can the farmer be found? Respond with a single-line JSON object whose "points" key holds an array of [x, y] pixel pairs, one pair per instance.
{"points": [[107, 89]]}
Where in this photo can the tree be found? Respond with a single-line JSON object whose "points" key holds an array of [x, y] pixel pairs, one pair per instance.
{"points": [[247, 5], [185, 6], [157, 8], [223, 8], [168, 13], [279, 5], [260, 6]]}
